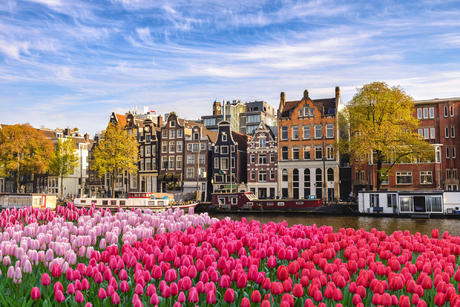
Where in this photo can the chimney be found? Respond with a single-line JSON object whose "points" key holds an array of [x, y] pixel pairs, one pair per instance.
{"points": [[86, 136], [282, 101], [159, 118], [337, 93]]}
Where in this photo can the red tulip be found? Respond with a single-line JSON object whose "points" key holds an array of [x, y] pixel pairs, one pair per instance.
{"points": [[139, 290], [298, 290], [318, 296], [439, 299], [376, 299], [211, 298], [101, 294], [356, 299], [59, 296], [154, 299], [427, 283], [245, 302], [435, 233], [229, 296], [79, 298], [110, 290], [337, 296], [46, 280], [242, 281], [421, 303], [150, 290], [386, 299], [266, 284], [98, 278], [115, 299], [124, 286], [282, 273], [265, 303], [35, 293], [70, 289], [193, 296], [123, 275], [58, 286], [56, 270], [256, 297], [415, 299], [404, 301], [277, 288]]}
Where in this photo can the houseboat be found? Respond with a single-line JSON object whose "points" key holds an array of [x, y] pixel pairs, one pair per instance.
{"points": [[247, 201], [421, 204], [19, 201], [153, 201]]}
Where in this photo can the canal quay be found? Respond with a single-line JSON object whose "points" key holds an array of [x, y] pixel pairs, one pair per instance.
{"points": [[387, 224]]}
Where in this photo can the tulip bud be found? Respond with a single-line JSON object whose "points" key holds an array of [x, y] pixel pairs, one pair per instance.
{"points": [[35, 293]]}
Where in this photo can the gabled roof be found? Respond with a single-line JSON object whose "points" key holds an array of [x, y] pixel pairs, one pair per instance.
{"points": [[327, 103], [241, 139]]}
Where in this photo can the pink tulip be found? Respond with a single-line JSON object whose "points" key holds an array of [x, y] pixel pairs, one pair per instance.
{"points": [[115, 299], [59, 296], [101, 294], [79, 298], [35, 293]]}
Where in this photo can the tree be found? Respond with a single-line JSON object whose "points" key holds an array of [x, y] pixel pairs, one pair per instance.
{"points": [[380, 126], [64, 160], [116, 152], [23, 150]]}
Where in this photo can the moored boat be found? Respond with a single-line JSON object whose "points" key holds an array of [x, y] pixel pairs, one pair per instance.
{"points": [[247, 201], [152, 201]]}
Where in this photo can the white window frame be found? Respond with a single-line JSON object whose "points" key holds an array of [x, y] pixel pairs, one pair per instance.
{"points": [[172, 134], [272, 175], [452, 131], [272, 158], [216, 163], [190, 159], [179, 146], [252, 158], [253, 175], [403, 174], [432, 133], [425, 113], [261, 159], [431, 112], [171, 162], [164, 134], [426, 133], [190, 172], [330, 153], [284, 138], [224, 163], [446, 132], [451, 111], [262, 174], [178, 162], [419, 113], [330, 129], [446, 111], [224, 150], [318, 128], [295, 132], [306, 131], [172, 123], [447, 153], [262, 143], [454, 152], [426, 174]]}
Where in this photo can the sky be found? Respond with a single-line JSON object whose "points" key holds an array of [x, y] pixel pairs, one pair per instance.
{"points": [[71, 63]]}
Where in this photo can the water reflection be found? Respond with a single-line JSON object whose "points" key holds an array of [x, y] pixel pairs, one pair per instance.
{"points": [[389, 225]]}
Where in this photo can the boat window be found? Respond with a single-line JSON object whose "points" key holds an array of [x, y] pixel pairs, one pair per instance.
{"points": [[374, 200], [113, 202], [83, 201], [151, 203], [234, 201], [299, 202], [105, 202], [161, 203], [270, 203], [436, 204], [122, 202], [281, 204], [404, 203], [221, 201], [249, 204]]}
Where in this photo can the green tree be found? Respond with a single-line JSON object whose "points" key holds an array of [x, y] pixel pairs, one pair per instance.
{"points": [[23, 150], [116, 152], [64, 160], [380, 125]]}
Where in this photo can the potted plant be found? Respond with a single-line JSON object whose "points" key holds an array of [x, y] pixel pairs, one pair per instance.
{"points": [[395, 209]]}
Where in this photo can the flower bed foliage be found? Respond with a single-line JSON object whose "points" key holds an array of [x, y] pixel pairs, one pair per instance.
{"points": [[91, 257]]}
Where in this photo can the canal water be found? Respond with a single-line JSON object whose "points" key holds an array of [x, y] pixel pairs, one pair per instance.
{"points": [[389, 225]]}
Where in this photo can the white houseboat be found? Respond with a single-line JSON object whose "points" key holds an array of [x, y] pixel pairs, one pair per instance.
{"points": [[19, 201]]}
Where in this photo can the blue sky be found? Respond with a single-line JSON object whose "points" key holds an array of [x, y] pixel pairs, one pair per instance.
{"points": [[72, 62]]}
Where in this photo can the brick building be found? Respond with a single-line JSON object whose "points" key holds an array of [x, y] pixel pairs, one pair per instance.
{"points": [[262, 163], [308, 164]]}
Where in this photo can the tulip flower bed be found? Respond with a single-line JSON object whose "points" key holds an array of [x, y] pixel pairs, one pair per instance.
{"points": [[91, 257]]}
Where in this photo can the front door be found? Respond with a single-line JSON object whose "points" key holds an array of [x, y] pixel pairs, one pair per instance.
{"points": [[419, 204]]}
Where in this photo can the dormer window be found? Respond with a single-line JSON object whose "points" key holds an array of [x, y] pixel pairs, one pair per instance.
{"points": [[172, 123]]}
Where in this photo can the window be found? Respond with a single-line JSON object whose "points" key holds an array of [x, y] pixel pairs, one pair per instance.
{"points": [[426, 132], [330, 174], [425, 112], [216, 163], [306, 132], [224, 150], [148, 150], [164, 162], [190, 172], [301, 112], [164, 146], [202, 160], [196, 136], [262, 143], [391, 200], [262, 159], [330, 153], [180, 133], [426, 177], [419, 113], [262, 176], [284, 133], [404, 178], [454, 173], [431, 112], [233, 147], [172, 134], [446, 132], [307, 153], [141, 151], [452, 131], [318, 153], [374, 200], [384, 178], [195, 148], [420, 131], [224, 163], [454, 154], [253, 175], [445, 111], [451, 111], [141, 165], [318, 133], [179, 146], [148, 137], [201, 172], [432, 133], [284, 153], [295, 153], [330, 131], [295, 132], [172, 147], [190, 159], [272, 158], [171, 162], [272, 175], [148, 165], [447, 153], [164, 134], [202, 146], [284, 174], [253, 158], [224, 137], [154, 164], [216, 149], [178, 162], [172, 123]]}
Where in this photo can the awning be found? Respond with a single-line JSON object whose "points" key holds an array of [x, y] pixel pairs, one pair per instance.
{"points": [[177, 177], [169, 177], [161, 177]]}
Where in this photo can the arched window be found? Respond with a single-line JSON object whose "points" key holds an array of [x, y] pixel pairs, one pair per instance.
{"points": [[330, 174]]}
